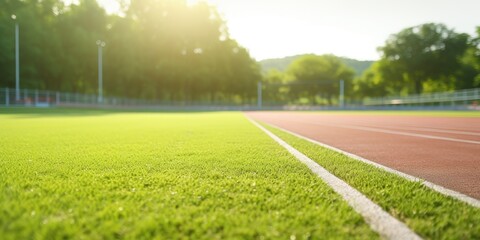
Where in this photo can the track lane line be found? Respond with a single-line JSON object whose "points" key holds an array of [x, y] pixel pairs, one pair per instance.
{"points": [[380, 130], [435, 130], [379, 220], [404, 126], [445, 191]]}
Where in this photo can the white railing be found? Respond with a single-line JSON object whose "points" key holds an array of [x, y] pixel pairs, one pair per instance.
{"points": [[460, 97], [39, 98]]}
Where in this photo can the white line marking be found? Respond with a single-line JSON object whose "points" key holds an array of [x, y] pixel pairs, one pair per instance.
{"points": [[379, 220], [445, 191], [435, 130], [371, 129], [419, 128]]}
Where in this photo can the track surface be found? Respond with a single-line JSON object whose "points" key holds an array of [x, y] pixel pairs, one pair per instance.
{"points": [[442, 150]]}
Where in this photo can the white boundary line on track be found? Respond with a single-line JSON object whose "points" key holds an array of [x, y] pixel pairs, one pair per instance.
{"points": [[445, 191], [380, 130], [379, 220], [423, 129]]}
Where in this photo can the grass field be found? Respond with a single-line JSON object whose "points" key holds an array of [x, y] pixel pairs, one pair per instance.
{"points": [[106, 174], [91, 174]]}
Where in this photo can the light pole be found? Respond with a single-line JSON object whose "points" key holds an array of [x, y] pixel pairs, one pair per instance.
{"points": [[100, 45], [17, 60], [259, 95], [342, 94]]}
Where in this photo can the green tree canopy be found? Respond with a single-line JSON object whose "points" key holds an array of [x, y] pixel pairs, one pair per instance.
{"points": [[472, 59], [424, 54], [314, 75], [159, 49]]}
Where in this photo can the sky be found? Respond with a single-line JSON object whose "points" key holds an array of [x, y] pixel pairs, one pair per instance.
{"points": [[348, 28]]}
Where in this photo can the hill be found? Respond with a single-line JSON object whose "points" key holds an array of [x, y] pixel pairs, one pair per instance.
{"points": [[281, 64]]}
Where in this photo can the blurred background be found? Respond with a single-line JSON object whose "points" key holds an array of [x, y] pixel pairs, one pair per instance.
{"points": [[315, 53]]}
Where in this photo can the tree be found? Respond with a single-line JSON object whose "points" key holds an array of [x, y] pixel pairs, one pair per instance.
{"points": [[180, 53], [372, 83], [159, 49], [78, 29], [419, 55], [471, 60], [275, 89], [38, 43], [318, 76]]}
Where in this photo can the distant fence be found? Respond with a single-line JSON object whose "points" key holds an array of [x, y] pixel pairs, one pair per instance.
{"points": [[457, 100], [39, 98], [460, 97]]}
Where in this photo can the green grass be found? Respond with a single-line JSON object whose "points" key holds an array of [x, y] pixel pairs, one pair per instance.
{"points": [[429, 213], [108, 175]]}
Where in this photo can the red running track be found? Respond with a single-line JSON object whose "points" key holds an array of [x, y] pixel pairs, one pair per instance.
{"points": [[442, 150]]}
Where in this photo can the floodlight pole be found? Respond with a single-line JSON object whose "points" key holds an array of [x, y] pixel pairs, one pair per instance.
{"points": [[100, 45], [259, 95], [342, 92], [17, 61]]}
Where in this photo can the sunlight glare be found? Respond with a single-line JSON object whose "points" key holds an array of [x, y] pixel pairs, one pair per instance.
{"points": [[193, 2], [111, 6]]}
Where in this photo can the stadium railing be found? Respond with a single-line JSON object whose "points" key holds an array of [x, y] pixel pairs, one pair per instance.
{"points": [[460, 97], [463, 99], [39, 98]]}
